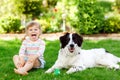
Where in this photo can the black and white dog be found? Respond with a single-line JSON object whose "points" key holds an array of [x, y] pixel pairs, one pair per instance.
{"points": [[72, 57]]}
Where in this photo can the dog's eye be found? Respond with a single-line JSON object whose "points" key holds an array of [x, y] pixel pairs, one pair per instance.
{"points": [[73, 38], [67, 39]]}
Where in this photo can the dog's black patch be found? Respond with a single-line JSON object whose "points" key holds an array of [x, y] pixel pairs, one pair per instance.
{"points": [[77, 39], [64, 40]]}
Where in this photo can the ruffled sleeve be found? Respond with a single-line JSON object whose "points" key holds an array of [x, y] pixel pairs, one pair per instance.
{"points": [[41, 48], [22, 48]]}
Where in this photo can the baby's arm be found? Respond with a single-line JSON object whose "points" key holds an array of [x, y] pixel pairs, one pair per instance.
{"points": [[22, 49], [22, 53], [41, 49]]}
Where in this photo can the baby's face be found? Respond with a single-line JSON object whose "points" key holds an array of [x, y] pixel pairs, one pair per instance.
{"points": [[33, 33]]}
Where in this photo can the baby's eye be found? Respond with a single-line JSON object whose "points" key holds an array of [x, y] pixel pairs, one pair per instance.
{"points": [[36, 29], [30, 29]]}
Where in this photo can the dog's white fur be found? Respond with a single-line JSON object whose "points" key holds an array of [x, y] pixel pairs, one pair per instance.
{"points": [[80, 59]]}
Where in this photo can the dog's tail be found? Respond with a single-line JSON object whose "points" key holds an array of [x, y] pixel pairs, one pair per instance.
{"points": [[118, 59]]}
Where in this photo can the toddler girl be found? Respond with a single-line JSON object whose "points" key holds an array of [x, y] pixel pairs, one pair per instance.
{"points": [[31, 51]]}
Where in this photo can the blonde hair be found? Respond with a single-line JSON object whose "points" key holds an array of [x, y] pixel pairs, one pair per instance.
{"points": [[30, 24]]}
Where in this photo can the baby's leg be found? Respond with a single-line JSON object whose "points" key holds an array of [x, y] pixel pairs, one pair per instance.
{"points": [[20, 71], [18, 61], [28, 66], [36, 63]]}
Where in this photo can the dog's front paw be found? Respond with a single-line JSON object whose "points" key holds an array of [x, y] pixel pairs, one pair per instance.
{"points": [[49, 71], [75, 69], [70, 71]]}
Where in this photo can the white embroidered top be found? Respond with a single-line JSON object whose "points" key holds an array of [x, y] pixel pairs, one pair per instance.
{"points": [[29, 47]]}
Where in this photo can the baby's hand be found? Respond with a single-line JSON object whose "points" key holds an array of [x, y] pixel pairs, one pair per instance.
{"points": [[36, 56], [22, 61], [19, 65], [33, 56]]}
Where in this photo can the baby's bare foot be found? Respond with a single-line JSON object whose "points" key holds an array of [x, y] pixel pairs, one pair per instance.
{"points": [[20, 71]]}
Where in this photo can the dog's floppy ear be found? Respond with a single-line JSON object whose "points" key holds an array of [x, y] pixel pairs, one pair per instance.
{"points": [[63, 40], [78, 39]]}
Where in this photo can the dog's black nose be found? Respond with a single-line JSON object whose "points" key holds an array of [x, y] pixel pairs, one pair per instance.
{"points": [[71, 45]]}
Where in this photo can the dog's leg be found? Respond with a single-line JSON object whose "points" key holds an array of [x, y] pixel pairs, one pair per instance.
{"points": [[50, 70], [57, 65], [110, 65], [109, 60], [75, 69], [114, 66]]}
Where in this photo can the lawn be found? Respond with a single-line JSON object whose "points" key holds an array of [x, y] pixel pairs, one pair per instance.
{"points": [[11, 47]]}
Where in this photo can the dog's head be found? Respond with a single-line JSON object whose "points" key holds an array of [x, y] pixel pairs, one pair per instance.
{"points": [[71, 41]]}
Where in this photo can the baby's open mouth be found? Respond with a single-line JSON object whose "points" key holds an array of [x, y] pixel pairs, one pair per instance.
{"points": [[33, 35]]}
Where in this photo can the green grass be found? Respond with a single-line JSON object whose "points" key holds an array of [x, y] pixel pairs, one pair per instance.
{"points": [[10, 48]]}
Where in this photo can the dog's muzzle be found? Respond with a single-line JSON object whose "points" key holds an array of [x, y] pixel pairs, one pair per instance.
{"points": [[71, 48]]}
